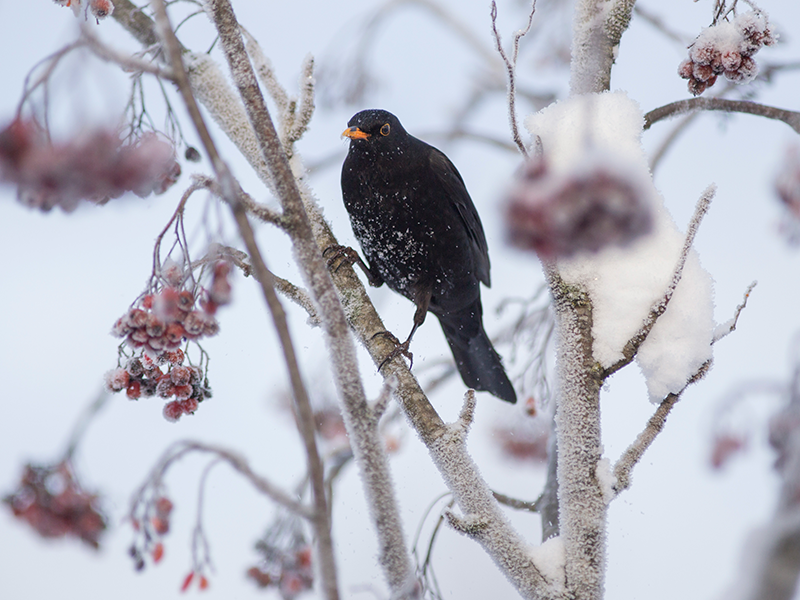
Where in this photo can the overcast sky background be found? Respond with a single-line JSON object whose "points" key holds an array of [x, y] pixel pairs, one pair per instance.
{"points": [[679, 532]]}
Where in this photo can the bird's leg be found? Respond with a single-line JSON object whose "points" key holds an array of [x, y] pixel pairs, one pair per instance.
{"points": [[422, 300], [350, 257]]}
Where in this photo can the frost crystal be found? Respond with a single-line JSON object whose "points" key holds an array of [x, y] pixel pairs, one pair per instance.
{"points": [[624, 283]]}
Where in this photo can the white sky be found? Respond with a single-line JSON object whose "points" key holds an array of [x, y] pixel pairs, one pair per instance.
{"points": [[678, 533]]}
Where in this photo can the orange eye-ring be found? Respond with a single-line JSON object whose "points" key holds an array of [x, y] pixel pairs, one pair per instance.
{"points": [[385, 129]]}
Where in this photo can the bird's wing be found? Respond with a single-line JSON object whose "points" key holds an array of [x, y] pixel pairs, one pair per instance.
{"points": [[457, 193]]}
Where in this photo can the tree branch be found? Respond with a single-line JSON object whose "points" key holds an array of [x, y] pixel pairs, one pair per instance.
{"points": [[305, 419], [790, 117]]}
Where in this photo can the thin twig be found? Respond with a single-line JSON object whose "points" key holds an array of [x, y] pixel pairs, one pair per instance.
{"points": [[511, 65]]}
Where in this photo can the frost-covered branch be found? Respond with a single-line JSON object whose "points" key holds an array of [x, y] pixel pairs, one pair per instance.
{"points": [[681, 107], [582, 507], [597, 31], [659, 308], [321, 515], [367, 444]]}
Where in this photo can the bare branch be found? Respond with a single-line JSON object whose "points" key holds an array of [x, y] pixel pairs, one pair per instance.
{"points": [[228, 29], [632, 346], [790, 117], [511, 65]]}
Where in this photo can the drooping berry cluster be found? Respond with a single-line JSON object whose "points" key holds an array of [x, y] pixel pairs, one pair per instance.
{"points": [[52, 501], [156, 328], [143, 376], [164, 320], [726, 48], [95, 166], [150, 532], [594, 206], [287, 561]]}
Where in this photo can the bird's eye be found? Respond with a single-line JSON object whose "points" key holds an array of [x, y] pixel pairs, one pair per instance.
{"points": [[385, 129]]}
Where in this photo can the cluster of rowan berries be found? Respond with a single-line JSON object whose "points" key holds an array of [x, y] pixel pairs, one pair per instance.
{"points": [[595, 206], [292, 572], [164, 320], [93, 166], [142, 376], [726, 48], [100, 9], [152, 530], [51, 500]]}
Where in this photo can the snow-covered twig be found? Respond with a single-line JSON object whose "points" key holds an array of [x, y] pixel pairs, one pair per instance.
{"points": [[790, 117], [632, 346], [511, 66]]}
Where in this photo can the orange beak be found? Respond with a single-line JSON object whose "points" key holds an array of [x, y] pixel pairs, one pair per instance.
{"points": [[354, 133]]}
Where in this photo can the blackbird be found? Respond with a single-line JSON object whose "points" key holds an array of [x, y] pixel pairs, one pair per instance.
{"points": [[422, 236]]}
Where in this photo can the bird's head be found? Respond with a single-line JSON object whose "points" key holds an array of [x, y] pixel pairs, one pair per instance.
{"points": [[375, 128]]}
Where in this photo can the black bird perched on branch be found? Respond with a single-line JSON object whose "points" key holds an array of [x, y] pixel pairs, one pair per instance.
{"points": [[422, 236]]}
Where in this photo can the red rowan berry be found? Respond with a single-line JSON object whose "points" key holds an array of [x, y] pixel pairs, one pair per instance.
{"points": [[187, 582], [158, 552], [134, 390], [181, 375], [185, 301], [174, 333], [183, 391], [117, 380], [134, 367], [101, 8], [175, 357], [137, 318], [173, 411], [165, 388]]}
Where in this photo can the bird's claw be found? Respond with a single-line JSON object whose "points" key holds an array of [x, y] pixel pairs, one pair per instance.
{"points": [[337, 251], [399, 349]]}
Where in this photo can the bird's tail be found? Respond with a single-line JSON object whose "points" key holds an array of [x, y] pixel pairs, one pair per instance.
{"points": [[476, 359]]}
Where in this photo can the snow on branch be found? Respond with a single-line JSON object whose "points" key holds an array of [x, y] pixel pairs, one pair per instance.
{"points": [[632, 346], [681, 107], [511, 66]]}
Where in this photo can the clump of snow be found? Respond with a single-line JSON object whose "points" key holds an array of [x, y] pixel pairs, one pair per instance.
{"points": [[606, 479], [624, 283], [549, 558]]}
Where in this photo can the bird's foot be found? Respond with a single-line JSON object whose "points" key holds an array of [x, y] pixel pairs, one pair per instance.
{"points": [[335, 251], [400, 348]]}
